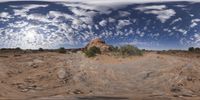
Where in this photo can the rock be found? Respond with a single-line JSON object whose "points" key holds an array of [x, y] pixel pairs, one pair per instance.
{"points": [[34, 65], [61, 73], [25, 90], [98, 43], [78, 91], [175, 88], [37, 61]]}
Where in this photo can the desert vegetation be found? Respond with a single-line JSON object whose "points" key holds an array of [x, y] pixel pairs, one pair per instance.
{"points": [[93, 51], [123, 51], [40, 49], [192, 49], [126, 50], [62, 50], [98, 46]]}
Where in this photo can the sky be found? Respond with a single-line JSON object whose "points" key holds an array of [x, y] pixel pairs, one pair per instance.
{"points": [[147, 24]]}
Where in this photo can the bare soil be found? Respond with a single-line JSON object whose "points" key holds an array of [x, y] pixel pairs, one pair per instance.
{"points": [[72, 76]]}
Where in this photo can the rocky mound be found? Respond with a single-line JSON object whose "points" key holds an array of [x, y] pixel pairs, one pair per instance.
{"points": [[98, 43]]}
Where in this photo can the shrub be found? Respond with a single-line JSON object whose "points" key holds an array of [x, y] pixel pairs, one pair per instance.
{"points": [[113, 49], [191, 49], [197, 49], [41, 49], [18, 49], [62, 50], [129, 50], [92, 51]]}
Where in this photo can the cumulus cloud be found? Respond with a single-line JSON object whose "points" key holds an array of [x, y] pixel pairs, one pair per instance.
{"points": [[163, 15]]}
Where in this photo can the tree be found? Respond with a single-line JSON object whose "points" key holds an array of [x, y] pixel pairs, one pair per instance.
{"points": [[191, 49], [197, 49], [41, 49], [62, 50]]}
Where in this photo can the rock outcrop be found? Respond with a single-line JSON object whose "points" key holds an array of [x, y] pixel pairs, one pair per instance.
{"points": [[98, 43]]}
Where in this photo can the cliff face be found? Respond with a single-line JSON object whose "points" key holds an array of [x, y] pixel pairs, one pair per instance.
{"points": [[98, 43]]}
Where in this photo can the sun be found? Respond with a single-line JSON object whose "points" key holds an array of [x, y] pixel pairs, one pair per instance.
{"points": [[31, 35], [31, 38]]}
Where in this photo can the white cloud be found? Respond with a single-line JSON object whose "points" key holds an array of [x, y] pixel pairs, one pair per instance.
{"points": [[176, 20], [163, 15], [184, 32], [119, 2], [111, 20], [122, 23], [18, 24], [155, 7], [26, 8], [37, 17], [194, 22], [57, 14], [197, 38], [124, 13], [193, 25], [82, 12], [105, 1], [87, 20], [96, 26], [86, 6], [103, 23], [5, 15]]}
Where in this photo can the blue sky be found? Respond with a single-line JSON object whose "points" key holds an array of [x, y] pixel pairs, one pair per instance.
{"points": [[149, 25]]}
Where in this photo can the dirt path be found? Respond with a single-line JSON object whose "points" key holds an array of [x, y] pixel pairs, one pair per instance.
{"points": [[72, 76]]}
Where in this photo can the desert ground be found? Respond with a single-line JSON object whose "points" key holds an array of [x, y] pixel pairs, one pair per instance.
{"points": [[72, 76]]}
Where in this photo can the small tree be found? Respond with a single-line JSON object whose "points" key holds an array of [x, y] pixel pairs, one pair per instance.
{"points": [[61, 50], [41, 49], [191, 49], [18, 49]]}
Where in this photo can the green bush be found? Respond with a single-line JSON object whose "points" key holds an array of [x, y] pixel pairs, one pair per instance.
{"points": [[129, 50], [62, 50], [92, 51]]}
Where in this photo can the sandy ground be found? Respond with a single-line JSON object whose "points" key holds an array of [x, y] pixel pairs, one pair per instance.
{"points": [[74, 77]]}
